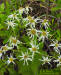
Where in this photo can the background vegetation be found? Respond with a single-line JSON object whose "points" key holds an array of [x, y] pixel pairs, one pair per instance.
{"points": [[51, 9]]}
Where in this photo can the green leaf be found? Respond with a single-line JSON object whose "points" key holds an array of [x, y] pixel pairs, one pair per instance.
{"points": [[2, 7], [55, 8]]}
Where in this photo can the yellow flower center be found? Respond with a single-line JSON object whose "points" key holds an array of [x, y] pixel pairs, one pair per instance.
{"points": [[56, 45], [27, 7], [30, 19], [34, 49], [44, 33], [5, 48], [33, 31], [11, 59], [25, 56], [14, 41], [0, 51], [46, 61], [59, 59], [14, 15], [20, 8], [9, 23], [44, 21]]}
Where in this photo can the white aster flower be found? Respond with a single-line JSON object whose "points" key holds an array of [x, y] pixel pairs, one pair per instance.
{"points": [[56, 46], [31, 21], [58, 60], [6, 48], [21, 10], [32, 32], [45, 23], [44, 34], [1, 51], [10, 24], [45, 60], [11, 60], [34, 48], [14, 41], [25, 56], [13, 16], [27, 9]]}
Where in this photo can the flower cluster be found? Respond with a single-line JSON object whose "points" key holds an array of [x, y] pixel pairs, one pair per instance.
{"points": [[36, 36]]}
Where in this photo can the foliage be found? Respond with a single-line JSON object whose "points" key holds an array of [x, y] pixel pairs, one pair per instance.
{"points": [[29, 44]]}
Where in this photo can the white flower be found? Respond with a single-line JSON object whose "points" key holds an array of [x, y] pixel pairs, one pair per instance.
{"points": [[31, 21], [6, 48], [11, 60], [45, 23], [44, 34], [1, 51], [27, 9], [34, 48], [32, 32], [11, 24], [58, 60], [13, 16], [21, 10], [25, 56], [56, 46], [14, 41], [45, 60]]}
